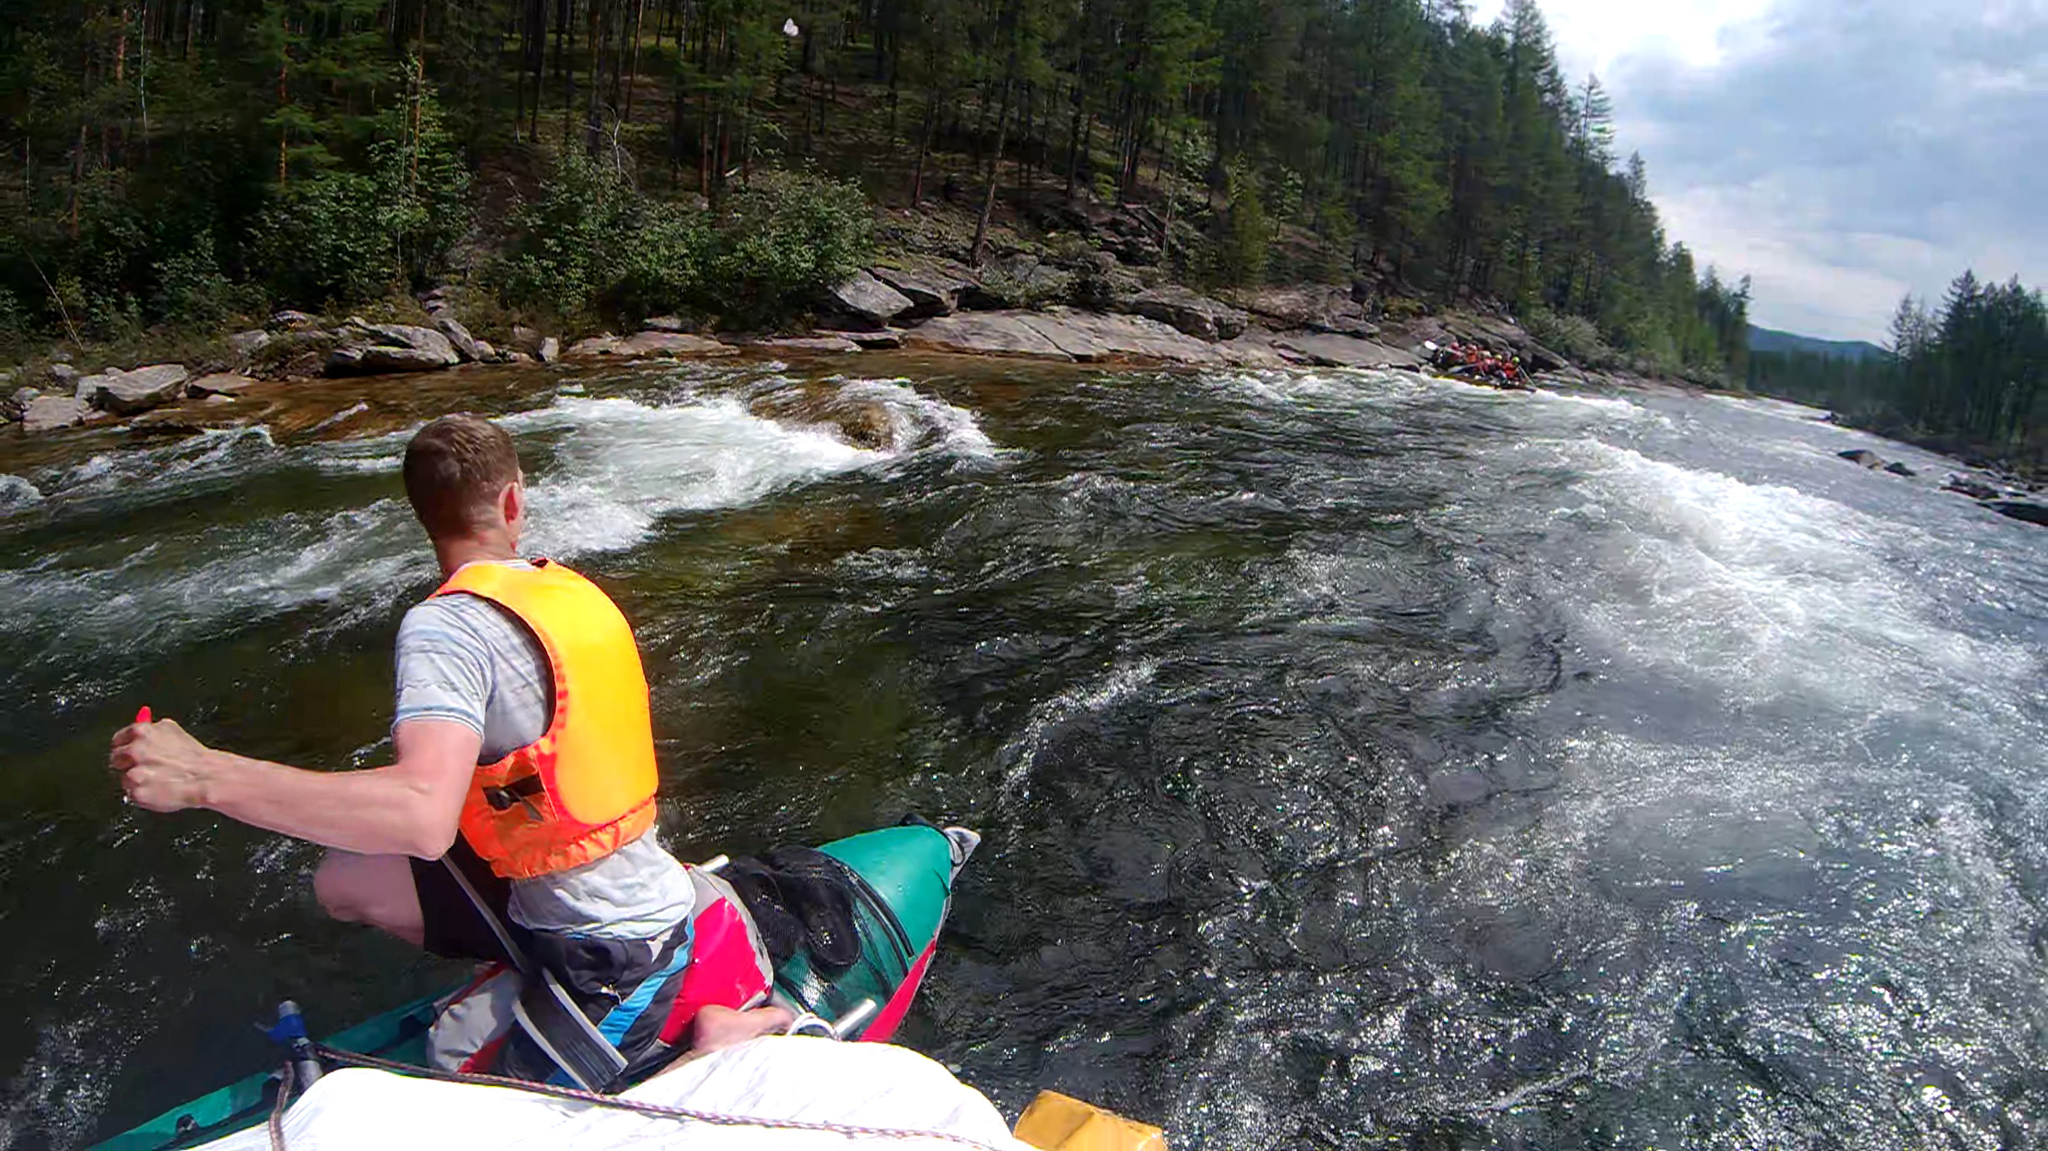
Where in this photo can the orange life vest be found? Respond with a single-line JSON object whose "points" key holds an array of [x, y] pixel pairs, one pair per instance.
{"points": [[585, 788]]}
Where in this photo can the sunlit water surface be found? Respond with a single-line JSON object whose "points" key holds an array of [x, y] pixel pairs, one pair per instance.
{"points": [[1363, 760]]}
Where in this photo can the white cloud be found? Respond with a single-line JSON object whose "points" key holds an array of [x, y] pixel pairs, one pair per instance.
{"points": [[1840, 152]]}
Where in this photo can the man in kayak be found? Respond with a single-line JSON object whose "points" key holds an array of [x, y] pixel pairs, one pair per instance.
{"points": [[520, 808]]}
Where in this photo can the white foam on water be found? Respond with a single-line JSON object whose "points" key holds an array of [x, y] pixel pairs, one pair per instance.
{"points": [[1614, 404], [1767, 592], [617, 467], [16, 492], [621, 465], [915, 418], [1123, 681]]}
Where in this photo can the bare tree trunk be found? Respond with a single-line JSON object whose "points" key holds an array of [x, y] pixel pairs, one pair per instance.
{"points": [[924, 147], [633, 68], [995, 166]]}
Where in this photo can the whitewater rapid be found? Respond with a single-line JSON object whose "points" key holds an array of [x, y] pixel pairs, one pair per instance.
{"points": [[1360, 757]]}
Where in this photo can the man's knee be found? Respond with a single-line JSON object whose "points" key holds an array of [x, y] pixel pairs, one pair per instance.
{"points": [[373, 889], [338, 887]]}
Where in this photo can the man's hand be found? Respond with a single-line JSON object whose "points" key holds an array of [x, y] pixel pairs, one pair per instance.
{"points": [[162, 767]]}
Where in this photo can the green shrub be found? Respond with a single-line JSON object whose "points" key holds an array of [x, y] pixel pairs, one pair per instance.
{"points": [[788, 235], [1574, 337], [192, 291], [592, 242], [323, 240]]}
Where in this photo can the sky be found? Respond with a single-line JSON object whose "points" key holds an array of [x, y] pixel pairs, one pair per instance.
{"points": [[1841, 153]]}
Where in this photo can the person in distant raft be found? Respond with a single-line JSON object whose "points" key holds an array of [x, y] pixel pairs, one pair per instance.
{"points": [[525, 777]]}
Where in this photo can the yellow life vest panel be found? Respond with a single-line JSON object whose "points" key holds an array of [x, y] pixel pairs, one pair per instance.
{"points": [[586, 788]]}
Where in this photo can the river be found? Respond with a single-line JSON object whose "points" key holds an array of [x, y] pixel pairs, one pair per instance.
{"points": [[1362, 760]]}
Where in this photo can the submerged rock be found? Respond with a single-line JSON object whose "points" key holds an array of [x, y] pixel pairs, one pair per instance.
{"points": [[2023, 510], [1972, 487], [1898, 469], [647, 344], [1863, 457]]}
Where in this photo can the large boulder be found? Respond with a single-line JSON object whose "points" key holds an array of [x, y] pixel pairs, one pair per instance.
{"points": [[984, 333], [549, 350], [933, 287], [247, 343], [12, 406], [1197, 315], [2018, 509], [465, 344], [368, 349], [126, 393], [48, 413], [862, 301]]}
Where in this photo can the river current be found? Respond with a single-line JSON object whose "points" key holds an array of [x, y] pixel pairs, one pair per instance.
{"points": [[1363, 760]]}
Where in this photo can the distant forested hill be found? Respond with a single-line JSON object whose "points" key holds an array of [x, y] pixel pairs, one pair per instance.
{"points": [[1771, 340]]}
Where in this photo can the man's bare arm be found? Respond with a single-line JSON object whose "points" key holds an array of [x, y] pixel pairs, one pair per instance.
{"points": [[410, 808]]}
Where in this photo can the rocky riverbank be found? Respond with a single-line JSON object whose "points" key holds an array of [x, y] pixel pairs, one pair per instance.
{"points": [[917, 304]]}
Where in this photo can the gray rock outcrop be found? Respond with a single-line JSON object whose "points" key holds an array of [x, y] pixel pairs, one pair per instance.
{"points": [[1330, 351], [933, 287], [465, 344], [862, 301], [1197, 315], [127, 393], [220, 384], [247, 343], [1313, 307], [48, 413], [984, 333], [368, 349]]}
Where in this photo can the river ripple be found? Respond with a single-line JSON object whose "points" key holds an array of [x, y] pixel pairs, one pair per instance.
{"points": [[1362, 760]]}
